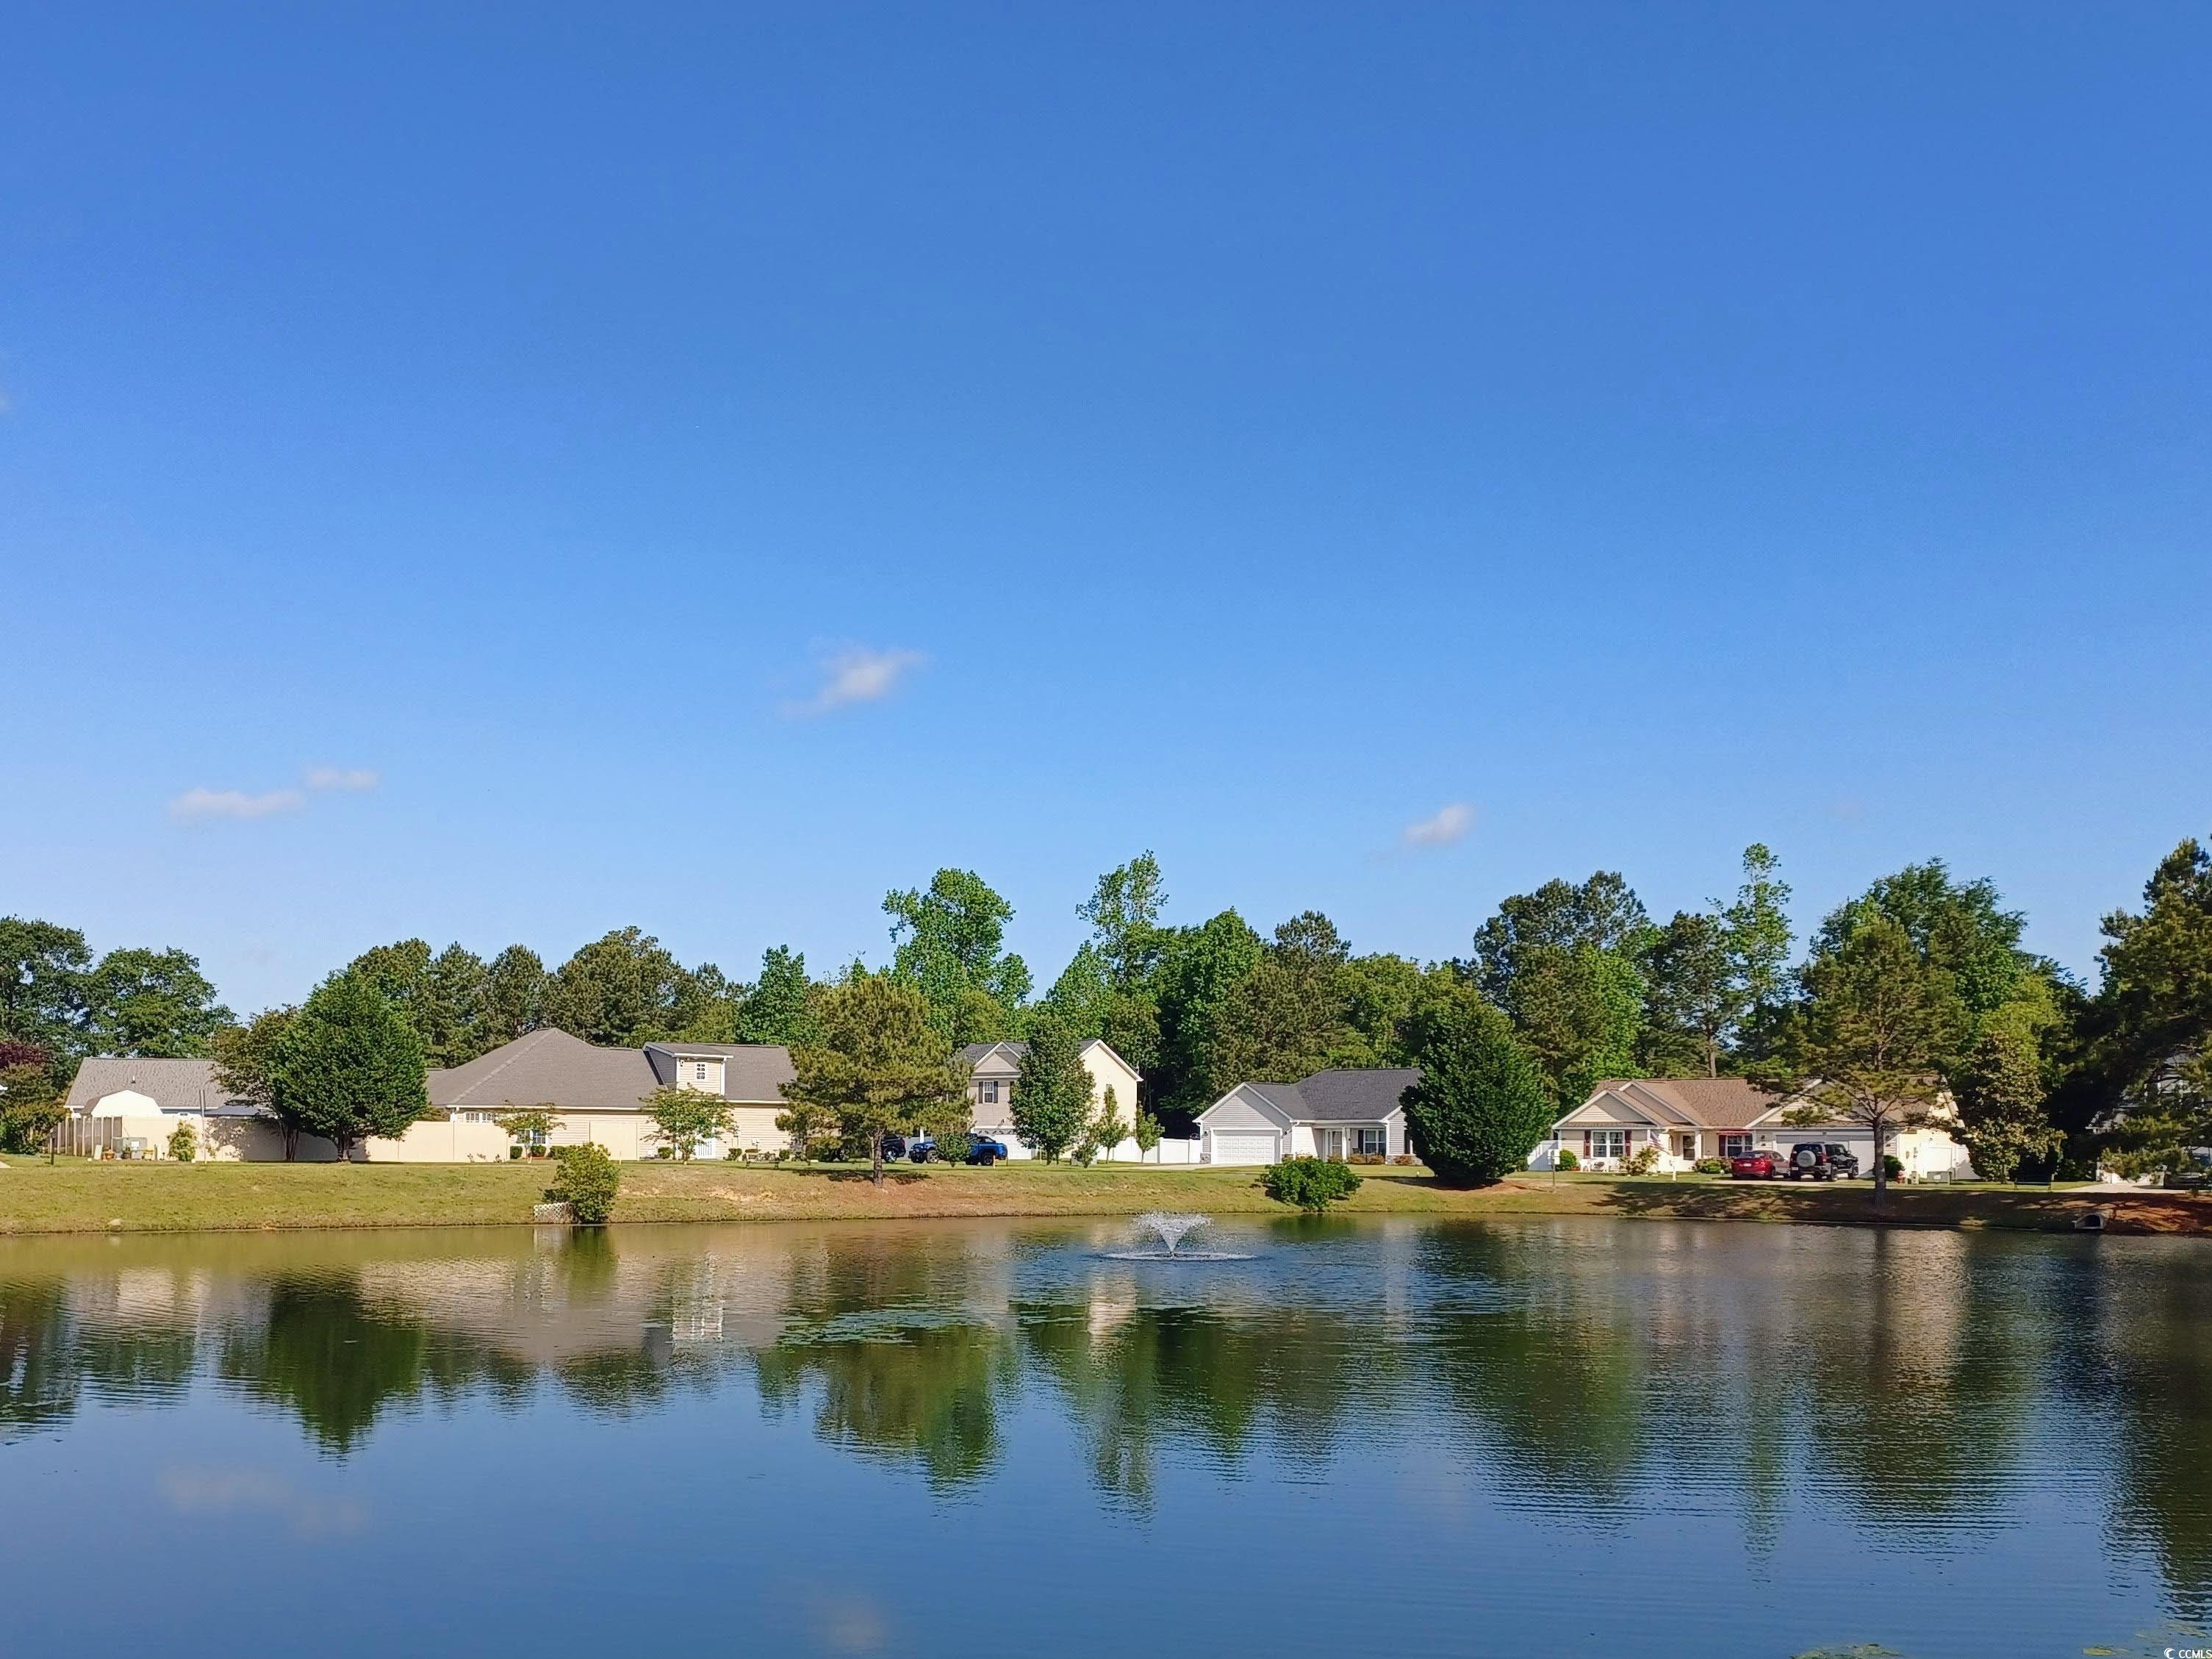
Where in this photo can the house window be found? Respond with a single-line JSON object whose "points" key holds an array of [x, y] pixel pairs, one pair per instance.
{"points": [[1372, 1143], [1608, 1143], [699, 1073], [988, 1092], [1689, 1146], [1734, 1146]]}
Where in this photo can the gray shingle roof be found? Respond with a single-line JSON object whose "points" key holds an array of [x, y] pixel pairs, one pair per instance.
{"points": [[546, 1068], [550, 1068], [975, 1053], [1366, 1097], [176, 1086]]}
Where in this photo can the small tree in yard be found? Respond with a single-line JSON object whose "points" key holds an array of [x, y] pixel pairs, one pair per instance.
{"points": [[878, 1066], [1866, 1043], [1148, 1132], [347, 1065], [1052, 1091], [530, 1128], [184, 1143], [1103, 1133], [1482, 1105], [586, 1184], [687, 1116]]}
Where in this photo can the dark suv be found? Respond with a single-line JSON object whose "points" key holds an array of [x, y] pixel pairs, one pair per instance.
{"points": [[1810, 1160]]}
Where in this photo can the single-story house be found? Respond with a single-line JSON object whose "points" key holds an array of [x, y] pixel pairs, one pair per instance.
{"points": [[595, 1094], [599, 1094], [138, 1104], [1688, 1119], [1329, 1114], [994, 1067]]}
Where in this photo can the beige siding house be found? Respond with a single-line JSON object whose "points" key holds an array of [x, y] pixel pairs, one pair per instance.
{"points": [[993, 1066], [599, 1094], [1688, 1119], [1329, 1114], [595, 1094]]}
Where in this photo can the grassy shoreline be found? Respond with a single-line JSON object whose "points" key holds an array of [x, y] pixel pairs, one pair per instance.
{"points": [[76, 1197]]}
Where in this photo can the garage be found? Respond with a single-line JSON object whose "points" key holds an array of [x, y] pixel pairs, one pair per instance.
{"points": [[1243, 1145]]}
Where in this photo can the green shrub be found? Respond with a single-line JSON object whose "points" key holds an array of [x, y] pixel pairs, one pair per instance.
{"points": [[1712, 1166], [1568, 1160], [1893, 1165], [1643, 1161], [586, 1184], [184, 1143], [953, 1148], [514, 1153], [1311, 1183]]}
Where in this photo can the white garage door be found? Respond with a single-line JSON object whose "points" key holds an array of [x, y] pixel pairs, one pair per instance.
{"points": [[1244, 1146]]}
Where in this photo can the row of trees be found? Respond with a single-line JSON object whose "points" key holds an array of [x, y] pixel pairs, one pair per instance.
{"points": [[1916, 986]]}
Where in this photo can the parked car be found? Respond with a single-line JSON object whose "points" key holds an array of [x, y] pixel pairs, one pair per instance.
{"points": [[1760, 1166], [982, 1150], [1813, 1160], [893, 1147]]}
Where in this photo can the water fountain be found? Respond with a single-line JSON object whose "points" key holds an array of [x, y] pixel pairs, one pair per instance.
{"points": [[1171, 1227]]}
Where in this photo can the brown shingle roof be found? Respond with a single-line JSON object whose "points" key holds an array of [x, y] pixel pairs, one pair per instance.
{"points": [[1710, 1103]]}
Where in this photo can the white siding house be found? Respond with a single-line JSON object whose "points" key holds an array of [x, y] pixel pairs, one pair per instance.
{"points": [[1337, 1114]]}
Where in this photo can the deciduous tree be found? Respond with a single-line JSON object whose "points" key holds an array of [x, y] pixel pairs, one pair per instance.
{"points": [[156, 1004], [348, 1065], [949, 942], [42, 969], [2000, 1093], [685, 1117], [1052, 1090]]}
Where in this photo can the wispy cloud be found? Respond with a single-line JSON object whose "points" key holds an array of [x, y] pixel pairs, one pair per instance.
{"points": [[1448, 824], [340, 777], [196, 803], [192, 1491], [857, 675]]}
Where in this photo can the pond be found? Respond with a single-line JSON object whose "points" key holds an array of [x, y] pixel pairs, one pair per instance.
{"points": [[1588, 1436]]}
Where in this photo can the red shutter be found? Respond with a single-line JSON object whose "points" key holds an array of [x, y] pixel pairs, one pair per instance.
{"points": [[1586, 1146]]}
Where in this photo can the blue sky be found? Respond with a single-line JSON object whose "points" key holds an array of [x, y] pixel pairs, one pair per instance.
{"points": [[703, 467]]}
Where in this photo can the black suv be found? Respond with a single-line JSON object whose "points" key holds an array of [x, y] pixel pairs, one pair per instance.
{"points": [[1809, 1160]]}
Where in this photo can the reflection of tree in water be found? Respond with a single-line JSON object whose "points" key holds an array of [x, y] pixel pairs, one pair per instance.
{"points": [[38, 1376], [927, 1391], [1557, 1385], [1154, 1380], [2153, 1359], [1917, 1391], [337, 1360], [895, 1332]]}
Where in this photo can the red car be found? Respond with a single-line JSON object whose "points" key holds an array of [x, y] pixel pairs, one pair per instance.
{"points": [[1761, 1165]]}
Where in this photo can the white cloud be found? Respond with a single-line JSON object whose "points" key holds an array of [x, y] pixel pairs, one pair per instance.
{"points": [[340, 777], [196, 803], [858, 674], [1449, 823], [196, 1492]]}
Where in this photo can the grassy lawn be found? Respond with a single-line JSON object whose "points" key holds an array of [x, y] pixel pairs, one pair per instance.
{"points": [[74, 1196]]}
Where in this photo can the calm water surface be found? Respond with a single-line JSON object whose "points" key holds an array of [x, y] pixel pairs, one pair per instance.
{"points": [[1547, 1436]]}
